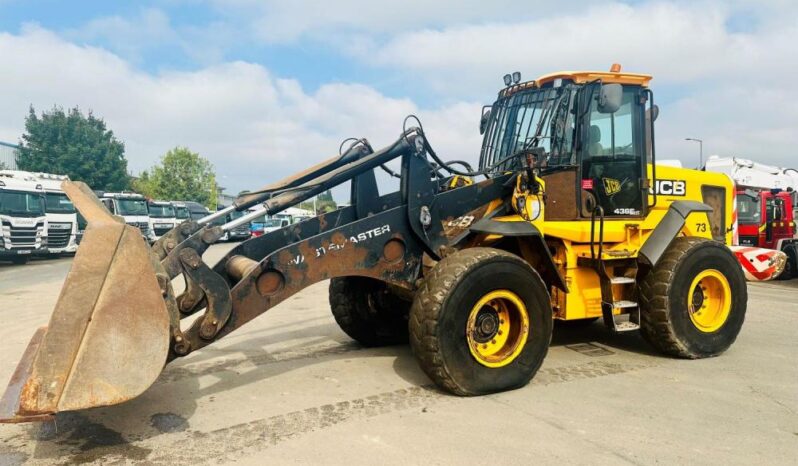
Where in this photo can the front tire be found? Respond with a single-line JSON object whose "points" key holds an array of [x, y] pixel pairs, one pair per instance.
{"points": [[791, 265], [481, 322], [693, 302]]}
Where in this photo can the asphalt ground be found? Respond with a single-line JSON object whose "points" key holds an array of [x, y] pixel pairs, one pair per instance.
{"points": [[291, 388]]}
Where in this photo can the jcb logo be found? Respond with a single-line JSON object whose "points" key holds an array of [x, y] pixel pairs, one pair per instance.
{"points": [[611, 186], [671, 187]]}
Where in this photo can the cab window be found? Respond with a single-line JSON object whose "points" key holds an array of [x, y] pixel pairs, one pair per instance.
{"points": [[611, 134]]}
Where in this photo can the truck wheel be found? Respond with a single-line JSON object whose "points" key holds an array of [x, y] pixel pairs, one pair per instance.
{"points": [[20, 260], [368, 311], [693, 302], [481, 322], [791, 265]]}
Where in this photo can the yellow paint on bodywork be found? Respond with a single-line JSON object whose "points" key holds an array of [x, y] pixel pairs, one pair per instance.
{"points": [[623, 237]]}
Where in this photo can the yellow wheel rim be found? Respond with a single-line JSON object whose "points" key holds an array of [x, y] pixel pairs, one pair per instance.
{"points": [[709, 300], [497, 328]]}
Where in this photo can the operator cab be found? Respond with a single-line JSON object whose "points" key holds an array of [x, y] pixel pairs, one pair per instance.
{"points": [[588, 134]]}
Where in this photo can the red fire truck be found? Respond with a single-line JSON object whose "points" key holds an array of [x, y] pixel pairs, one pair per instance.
{"points": [[767, 204]]}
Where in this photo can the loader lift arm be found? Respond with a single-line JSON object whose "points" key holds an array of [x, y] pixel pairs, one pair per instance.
{"points": [[382, 237], [103, 348]]}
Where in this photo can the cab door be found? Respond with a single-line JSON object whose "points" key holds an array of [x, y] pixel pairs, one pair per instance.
{"points": [[612, 154]]}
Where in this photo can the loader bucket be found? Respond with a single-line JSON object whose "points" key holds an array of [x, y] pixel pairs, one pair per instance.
{"points": [[108, 337]]}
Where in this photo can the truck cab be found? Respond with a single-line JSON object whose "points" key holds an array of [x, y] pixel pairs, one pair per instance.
{"points": [[163, 217], [132, 208], [23, 221], [766, 219], [181, 211], [62, 218], [196, 210]]}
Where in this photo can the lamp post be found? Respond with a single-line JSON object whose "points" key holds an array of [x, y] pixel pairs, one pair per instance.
{"points": [[700, 149]]}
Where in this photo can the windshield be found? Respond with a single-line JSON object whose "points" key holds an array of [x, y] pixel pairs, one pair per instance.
{"points": [[271, 222], [196, 215], [523, 121], [749, 210], [181, 212], [58, 203], [236, 214], [21, 204], [131, 206], [161, 211]]}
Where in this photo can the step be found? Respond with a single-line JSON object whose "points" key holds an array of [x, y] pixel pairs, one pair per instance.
{"points": [[627, 326], [617, 323], [621, 280], [623, 304]]}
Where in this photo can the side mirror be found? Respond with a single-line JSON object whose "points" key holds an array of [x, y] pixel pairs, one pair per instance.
{"points": [[609, 99], [483, 121], [652, 113]]}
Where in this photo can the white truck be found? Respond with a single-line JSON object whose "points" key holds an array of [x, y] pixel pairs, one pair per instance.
{"points": [[62, 219], [23, 223], [162, 217], [181, 211], [132, 208]]}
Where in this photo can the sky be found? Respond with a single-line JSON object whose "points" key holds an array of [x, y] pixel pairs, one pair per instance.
{"points": [[265, 88]]}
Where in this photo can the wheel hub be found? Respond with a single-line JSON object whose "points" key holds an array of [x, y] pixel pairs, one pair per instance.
{"points": [[709, 301], [698, 298], [497, 328], [487, 325]]}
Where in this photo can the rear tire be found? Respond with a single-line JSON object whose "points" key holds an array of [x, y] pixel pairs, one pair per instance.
{"points": [[693, 302], [367, 311], [458, 315]]}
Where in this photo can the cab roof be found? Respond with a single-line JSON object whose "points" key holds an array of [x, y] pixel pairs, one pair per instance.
{"points": [[615, 75], [17, 184], [581, 77], [123, 195]]}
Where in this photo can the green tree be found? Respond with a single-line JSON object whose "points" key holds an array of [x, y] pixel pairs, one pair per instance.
{"points": [[74, 144], [3, 166], [324, 203], [181, 175]]}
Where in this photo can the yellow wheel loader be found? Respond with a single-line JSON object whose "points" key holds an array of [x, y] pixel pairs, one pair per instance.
{"points": [[567, 218]]}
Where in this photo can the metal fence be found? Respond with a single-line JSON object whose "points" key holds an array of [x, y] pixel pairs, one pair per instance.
{"points": [[8, 155]]}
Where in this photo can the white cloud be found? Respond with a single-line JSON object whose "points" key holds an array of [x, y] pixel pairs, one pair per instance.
{"points": [[283, 22], [679, 44], [127, 36], [732, 89], [253, 126]]}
